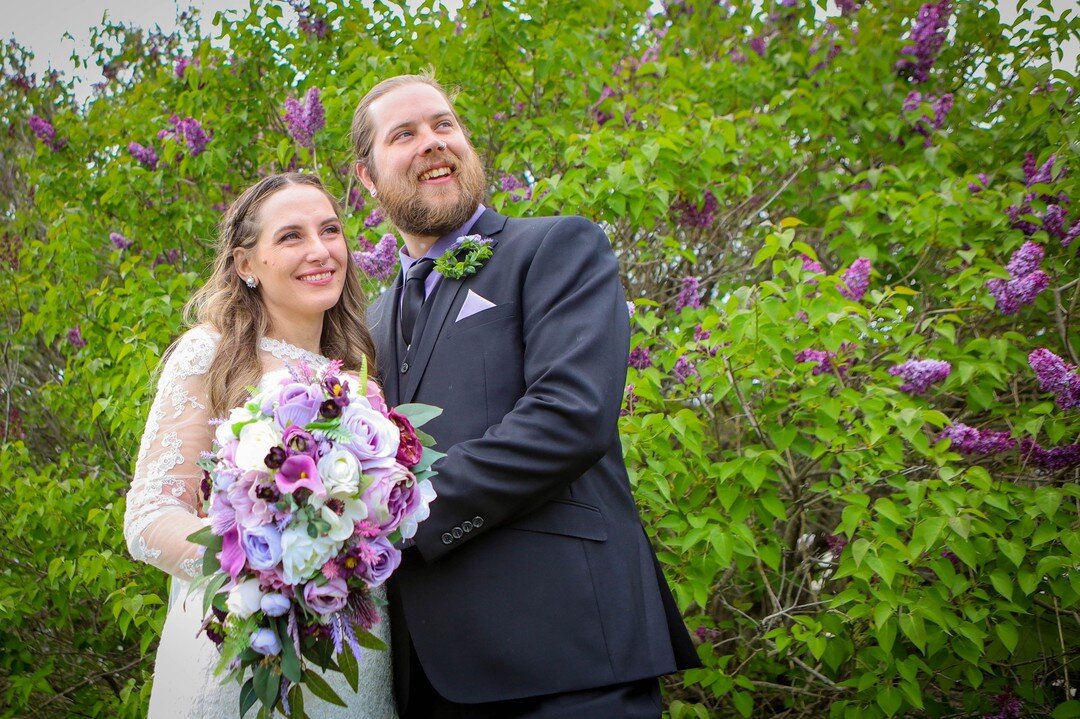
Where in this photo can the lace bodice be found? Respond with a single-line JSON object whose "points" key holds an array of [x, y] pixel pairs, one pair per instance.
{"points": [[163, 505]]}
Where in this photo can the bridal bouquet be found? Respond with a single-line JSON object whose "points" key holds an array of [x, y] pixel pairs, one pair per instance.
{"points": [[310, 485]]}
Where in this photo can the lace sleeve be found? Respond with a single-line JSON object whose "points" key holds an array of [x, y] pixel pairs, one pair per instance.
{"points": [[163, 501]]}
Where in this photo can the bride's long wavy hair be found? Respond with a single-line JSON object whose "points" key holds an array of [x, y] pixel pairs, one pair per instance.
{"points": [[238, 314]]}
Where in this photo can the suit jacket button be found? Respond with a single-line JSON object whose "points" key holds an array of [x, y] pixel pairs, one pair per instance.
{"points": [[466, 526], [404, 367], [447, 539], [456, 531], [478, 522]]}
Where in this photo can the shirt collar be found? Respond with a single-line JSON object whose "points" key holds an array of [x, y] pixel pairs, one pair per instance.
{"points": [[443, 243]]}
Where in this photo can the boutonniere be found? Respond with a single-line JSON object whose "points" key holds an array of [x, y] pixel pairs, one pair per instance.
{"points": [[467, 255]]}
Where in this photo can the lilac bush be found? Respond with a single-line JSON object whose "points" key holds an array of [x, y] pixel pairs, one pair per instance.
{"points": [[304, 120], [919, 375]]}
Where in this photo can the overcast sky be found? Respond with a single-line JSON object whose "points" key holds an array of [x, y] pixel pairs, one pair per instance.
{"points": [[41, 24]]}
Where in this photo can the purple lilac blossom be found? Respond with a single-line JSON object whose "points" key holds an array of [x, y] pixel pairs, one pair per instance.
{"points": [[308, 21], [984, 181], [758, 45], [119, 241], [305, 120], [1057, 376], [631, 401], [1051, 460], [821, 357], [856, 280], [640, 358], [375, 218], [920, 374], [689, 296], [683, 370], [146, 156], [356, 199], [812, 265], [847, 7], [693, 214], [74, 336], [1008, 707], [518, 189], [969, 440], [1025, 260], [183, 64], [45, 132], [168, 258], [1071, 235], [1054, 221], [380, 260], [927, 37], [1038, 175], [836, 543]]}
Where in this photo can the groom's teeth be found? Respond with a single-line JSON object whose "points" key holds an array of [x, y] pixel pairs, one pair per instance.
{"points": [[437, 172]]}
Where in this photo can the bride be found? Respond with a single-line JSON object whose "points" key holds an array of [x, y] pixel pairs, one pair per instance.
{"points": [[284, 287]]}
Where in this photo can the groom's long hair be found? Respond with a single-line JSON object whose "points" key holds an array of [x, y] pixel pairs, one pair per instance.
{"points": [[237, 312]]}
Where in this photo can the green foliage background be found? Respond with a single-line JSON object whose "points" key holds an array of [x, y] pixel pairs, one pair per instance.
{"points": [[959, 581]]}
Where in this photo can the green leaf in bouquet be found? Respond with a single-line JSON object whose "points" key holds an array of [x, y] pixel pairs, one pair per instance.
{"points": [[321, 689], [206, 538], [428, 458], [267, 684], [363, 374], [211, 590], [210, 562], [340, 435], [418, 414], [425, 439], [350, 668], [290, 660], [247, 696], [370, 641], [296, 703]]}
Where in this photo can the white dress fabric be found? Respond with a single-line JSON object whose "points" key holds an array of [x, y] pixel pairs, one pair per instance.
{"points": [[163, 508]]}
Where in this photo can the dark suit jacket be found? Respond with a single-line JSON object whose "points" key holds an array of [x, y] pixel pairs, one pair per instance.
{"points": [[533, 574]]}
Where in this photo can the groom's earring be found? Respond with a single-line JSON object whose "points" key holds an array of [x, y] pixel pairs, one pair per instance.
{"points": [[251, 281]]}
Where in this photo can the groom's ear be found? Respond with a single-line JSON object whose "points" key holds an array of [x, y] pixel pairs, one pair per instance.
{"points": [[365, 176]]}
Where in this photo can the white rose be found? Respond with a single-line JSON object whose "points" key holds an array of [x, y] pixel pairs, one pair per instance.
{"points": [[224, 433], [244, 598], [302, 556], [340, 473], [256, 439]]}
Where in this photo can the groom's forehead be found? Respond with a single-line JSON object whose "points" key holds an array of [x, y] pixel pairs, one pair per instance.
{"points": [[409, 104]]}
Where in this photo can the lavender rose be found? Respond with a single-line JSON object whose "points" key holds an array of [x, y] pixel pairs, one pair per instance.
{"points": [[375, 438], [299, 405], [391, 495], [262, 546], [275, 605], [378, 560], [264, 641], [326, 598]]}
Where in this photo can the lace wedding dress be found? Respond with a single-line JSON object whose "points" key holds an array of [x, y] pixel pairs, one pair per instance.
{"points": [[163, 509]]}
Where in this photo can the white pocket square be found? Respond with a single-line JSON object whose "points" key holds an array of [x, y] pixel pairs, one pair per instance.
{"points": [[473, 303]]}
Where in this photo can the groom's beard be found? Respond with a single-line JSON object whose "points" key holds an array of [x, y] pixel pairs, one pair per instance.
{"points": [[416, 210]]}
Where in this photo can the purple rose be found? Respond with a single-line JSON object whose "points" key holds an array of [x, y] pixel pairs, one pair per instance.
{"points": [[375, 438], [409, 448], [299, 441], [378, 560], [391, 496], [264, 641], [262, 546], [326, 598], [275, 605], [298, 404]]}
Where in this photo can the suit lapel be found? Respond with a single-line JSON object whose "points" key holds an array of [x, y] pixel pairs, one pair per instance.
{"points": [[489, 224], [388, 340]]}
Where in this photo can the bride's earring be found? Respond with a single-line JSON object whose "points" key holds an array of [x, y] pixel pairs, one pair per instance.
{"points": [[251, 281], [374, 192]]}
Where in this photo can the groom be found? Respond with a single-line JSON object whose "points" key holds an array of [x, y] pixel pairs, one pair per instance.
{"points": [[531, 590]]}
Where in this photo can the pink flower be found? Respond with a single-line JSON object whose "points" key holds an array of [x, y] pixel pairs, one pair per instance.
{"points": [[326, 598], [299, 472]]}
